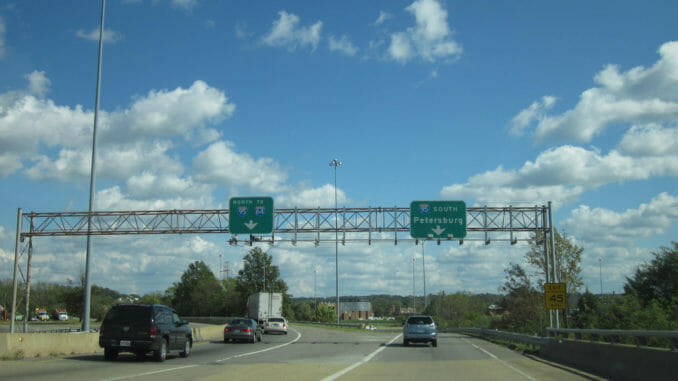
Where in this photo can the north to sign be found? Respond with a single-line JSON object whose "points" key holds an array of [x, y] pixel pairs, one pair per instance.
{"points": [[250, 215], [438, 219]]}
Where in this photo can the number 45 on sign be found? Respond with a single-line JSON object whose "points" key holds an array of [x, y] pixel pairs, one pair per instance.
{"points": [[556, 296]]}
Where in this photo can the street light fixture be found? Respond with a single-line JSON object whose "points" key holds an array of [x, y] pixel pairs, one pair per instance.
{"points": [[335, 163]]}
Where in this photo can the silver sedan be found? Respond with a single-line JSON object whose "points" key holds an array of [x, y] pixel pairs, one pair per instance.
{"points": [[242, 329]]}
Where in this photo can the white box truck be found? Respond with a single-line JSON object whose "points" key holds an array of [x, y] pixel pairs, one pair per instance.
{"points": [[262, 305]]}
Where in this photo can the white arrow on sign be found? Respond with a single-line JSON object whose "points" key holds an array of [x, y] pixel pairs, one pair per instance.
{"points": [[250, 225], [438, 230]]}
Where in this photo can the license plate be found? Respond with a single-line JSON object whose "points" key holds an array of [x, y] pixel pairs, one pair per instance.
{"points": [[125, 343], [236, 330]]}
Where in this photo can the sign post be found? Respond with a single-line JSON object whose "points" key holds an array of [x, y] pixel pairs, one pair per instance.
{"points": [[438, 219], [555, 295], [250, 215]]}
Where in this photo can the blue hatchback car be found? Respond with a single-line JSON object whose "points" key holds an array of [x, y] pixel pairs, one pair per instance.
{"points": [[420, 329]]}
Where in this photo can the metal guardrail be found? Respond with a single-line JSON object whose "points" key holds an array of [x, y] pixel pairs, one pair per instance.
{"points": [[533, 341], [613, 336]]}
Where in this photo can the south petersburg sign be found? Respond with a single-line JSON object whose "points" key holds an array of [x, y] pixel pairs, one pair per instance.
{"points": [[250, 215], [438, 219]]}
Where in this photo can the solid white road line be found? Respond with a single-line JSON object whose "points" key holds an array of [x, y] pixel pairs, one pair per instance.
{"points": [[194, 365], [264, 350], [502, 361], [359, 363]]}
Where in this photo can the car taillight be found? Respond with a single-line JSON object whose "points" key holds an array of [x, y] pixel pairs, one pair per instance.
{"points": [[226, 329], [152, 332], [283, 325], [247, 330]]}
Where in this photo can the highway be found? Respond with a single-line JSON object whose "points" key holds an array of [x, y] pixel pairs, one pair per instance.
{"points": [[308, 353]]}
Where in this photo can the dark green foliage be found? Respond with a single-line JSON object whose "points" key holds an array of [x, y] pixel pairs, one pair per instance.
{"points": [[568, 259], [650, 302], [199, 293], [657, 280], [522, 306], [259, 274], [459, 310]]}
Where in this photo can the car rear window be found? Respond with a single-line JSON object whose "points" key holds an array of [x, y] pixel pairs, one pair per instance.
{"points": [[420, 320], [240, 322], [128, 314], [277, 320]]}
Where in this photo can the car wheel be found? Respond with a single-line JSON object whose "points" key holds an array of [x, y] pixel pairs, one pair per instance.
{"points": [[110, 354], [161, 354], [254, 339], [187, 348], [406, 342], [226, 341], [434, 343]]}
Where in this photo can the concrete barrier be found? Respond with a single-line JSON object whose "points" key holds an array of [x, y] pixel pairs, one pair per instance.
{"points": [[614, 361], [15, 346]]}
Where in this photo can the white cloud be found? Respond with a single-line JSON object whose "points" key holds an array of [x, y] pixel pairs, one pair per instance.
{"points": [[287, 33], [130, 140], [343, 45], [115, 198], [167, 113], [382, 18], [429, 39], [322, 197], [185, 4], [401, 48], [219, 163], [650, 140], [38, 83], [561, 174], [110, 36], [604, 225], [639, 95], [536, 111]]}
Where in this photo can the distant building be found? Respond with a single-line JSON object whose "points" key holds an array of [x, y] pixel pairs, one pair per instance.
{"points": [[398, 310], [356, 310]]}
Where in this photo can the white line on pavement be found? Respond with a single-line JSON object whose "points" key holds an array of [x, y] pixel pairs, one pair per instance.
{"points": [[502, 361], [359, 363], [263, 350]]}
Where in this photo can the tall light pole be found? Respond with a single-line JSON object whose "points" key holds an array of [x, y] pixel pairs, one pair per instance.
{"points": [[600, 266], [423, 266], [315, 301], [92, 180], [335, 163], [414, 296]]}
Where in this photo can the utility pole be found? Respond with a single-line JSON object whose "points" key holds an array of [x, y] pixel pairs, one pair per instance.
{"points": [[600, 265], [423, 266], [335, 163], [414, 295]]}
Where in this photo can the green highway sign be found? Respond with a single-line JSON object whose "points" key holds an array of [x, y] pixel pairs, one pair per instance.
{"points": [[250, 215], [438, 219]]}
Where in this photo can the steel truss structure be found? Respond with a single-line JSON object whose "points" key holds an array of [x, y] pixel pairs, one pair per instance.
{"points": [[512, 224]]}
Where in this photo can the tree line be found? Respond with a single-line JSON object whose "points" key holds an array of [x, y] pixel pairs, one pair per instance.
{"points": [[649, 301]]}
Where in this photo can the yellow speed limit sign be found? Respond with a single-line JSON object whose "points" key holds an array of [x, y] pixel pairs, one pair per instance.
{"points": [[555, 295]]}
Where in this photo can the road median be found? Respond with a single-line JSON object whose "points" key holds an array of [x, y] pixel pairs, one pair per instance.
{"points": [[17, 346]]}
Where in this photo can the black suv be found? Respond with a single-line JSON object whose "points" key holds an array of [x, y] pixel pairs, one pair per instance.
{"points": [[140, 328]]}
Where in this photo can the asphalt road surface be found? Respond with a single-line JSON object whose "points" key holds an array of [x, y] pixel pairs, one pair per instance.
{"points": [[308, 353]]}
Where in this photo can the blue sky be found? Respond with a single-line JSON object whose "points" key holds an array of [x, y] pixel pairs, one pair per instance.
{"points": [[509, 103]]}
